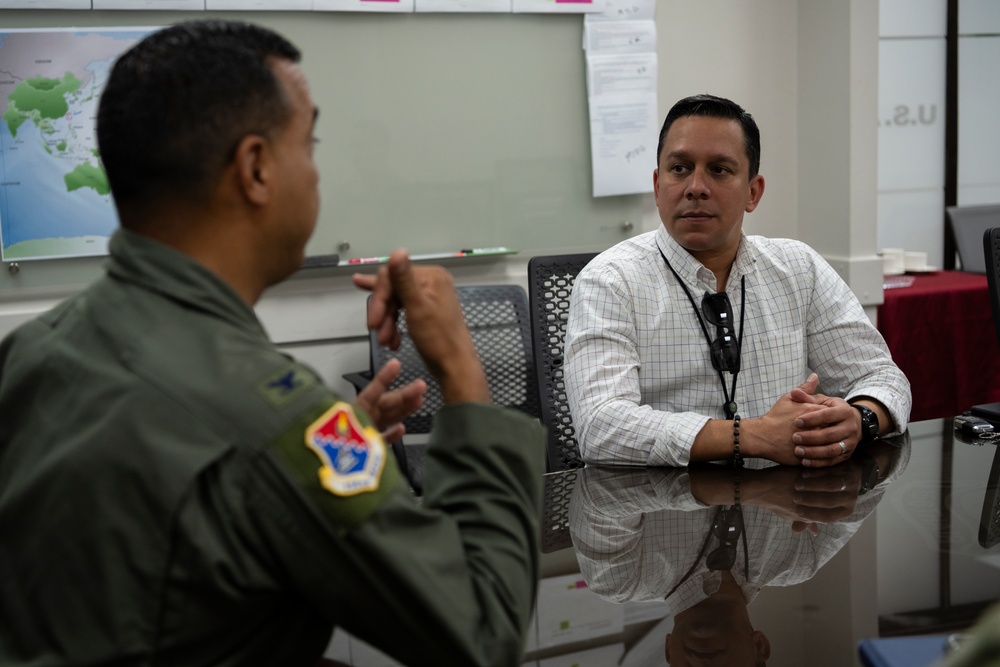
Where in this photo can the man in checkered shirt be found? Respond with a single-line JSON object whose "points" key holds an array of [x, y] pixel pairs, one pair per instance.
{"points": [[696, 342]]}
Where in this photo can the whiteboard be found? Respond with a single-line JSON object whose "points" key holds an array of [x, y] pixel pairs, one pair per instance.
{"points": [[437, 132]]}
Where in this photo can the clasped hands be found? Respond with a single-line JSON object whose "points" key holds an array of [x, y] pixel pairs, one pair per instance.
{"points": [[806, 428]]}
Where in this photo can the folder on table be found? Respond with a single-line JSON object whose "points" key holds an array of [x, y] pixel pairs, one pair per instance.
{"points": [[922, 651]]}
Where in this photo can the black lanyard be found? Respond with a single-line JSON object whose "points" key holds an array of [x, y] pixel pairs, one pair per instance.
{"points": [[729, 407], [708, 538]]}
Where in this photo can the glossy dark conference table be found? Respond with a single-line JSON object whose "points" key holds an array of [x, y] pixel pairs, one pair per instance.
{"points": [[902, 541]]}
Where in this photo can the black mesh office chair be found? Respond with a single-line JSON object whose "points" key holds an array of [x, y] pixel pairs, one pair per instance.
{"points": [[991, 260], [991, 263], [550, 282], [989, 519], [967, 224], [557, 491], [498, 319], [989, 525]]}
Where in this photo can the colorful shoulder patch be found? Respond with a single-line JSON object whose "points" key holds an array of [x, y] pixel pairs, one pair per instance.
{"points": [[352, 455]]}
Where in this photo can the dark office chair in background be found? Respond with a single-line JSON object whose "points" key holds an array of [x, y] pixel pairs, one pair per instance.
{"points": [[991, 265], [550, 282], [989, 519], [498, 319], [967, 224], [989, 523]]}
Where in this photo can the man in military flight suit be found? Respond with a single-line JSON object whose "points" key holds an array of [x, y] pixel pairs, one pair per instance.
{"points": [[176, 491]]}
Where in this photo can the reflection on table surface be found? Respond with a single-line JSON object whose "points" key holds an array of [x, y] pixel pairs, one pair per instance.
{"points": [[791, 566]]}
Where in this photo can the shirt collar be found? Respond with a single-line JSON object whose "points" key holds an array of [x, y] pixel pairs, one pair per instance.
{"points": [[692, 271], [158, 268]]}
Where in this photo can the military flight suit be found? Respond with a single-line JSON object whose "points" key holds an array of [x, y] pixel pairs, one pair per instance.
{"points": [[176, 491]]}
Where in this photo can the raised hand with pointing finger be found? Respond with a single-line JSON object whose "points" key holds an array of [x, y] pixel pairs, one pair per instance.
{"points": [[435, 322]]}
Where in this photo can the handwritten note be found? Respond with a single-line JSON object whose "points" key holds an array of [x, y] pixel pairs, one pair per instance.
{"points": [[608, 37], [621, 90], [625, 10], [624, 122]]}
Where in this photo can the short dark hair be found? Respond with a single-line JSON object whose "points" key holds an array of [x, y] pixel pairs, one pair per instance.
{"points": [[716, 107], [178, 103]]}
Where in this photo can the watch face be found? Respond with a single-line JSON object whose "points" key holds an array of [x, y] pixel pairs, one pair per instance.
{"points": [[869, 422]]}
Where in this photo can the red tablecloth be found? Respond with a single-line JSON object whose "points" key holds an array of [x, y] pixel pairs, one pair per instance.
{"points": [[941, 335]]}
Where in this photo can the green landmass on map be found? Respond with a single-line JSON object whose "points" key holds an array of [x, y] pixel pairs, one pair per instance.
{"points": [[87, 175], [39, 98], [57, 247]]}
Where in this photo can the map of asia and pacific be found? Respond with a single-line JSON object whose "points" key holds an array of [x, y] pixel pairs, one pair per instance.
{"points": [[54, 196]]}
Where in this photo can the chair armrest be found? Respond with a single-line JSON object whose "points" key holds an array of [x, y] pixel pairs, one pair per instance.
{"points": [[359, 380]]}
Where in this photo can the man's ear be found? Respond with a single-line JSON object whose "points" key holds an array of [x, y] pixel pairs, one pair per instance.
{"points": [[254, 169], [755, 193], [763, 646]]}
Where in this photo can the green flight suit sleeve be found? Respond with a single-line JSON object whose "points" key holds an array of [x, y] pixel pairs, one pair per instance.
{"points": [[980, 647], [449, 581]]}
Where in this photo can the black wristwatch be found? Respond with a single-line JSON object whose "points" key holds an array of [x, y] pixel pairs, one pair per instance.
{"points": [[869, 424]]}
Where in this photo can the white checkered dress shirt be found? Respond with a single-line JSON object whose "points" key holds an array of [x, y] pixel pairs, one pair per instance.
{"points": [[639, 377]]}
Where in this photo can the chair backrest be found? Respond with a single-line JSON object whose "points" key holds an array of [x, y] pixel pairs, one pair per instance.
{"points": [[989, 519], [991, 257], [550, 282], [557, 491], [967, 225], [498, 319]]}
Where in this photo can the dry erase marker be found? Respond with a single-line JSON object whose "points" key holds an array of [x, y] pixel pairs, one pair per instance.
{"points": [[482, 251], [367, 260]]}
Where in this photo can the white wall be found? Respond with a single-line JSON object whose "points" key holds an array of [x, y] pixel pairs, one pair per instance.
{"points": [[836, 101], [978, 100], [748, 55], [749, 52], [911, 118]]}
